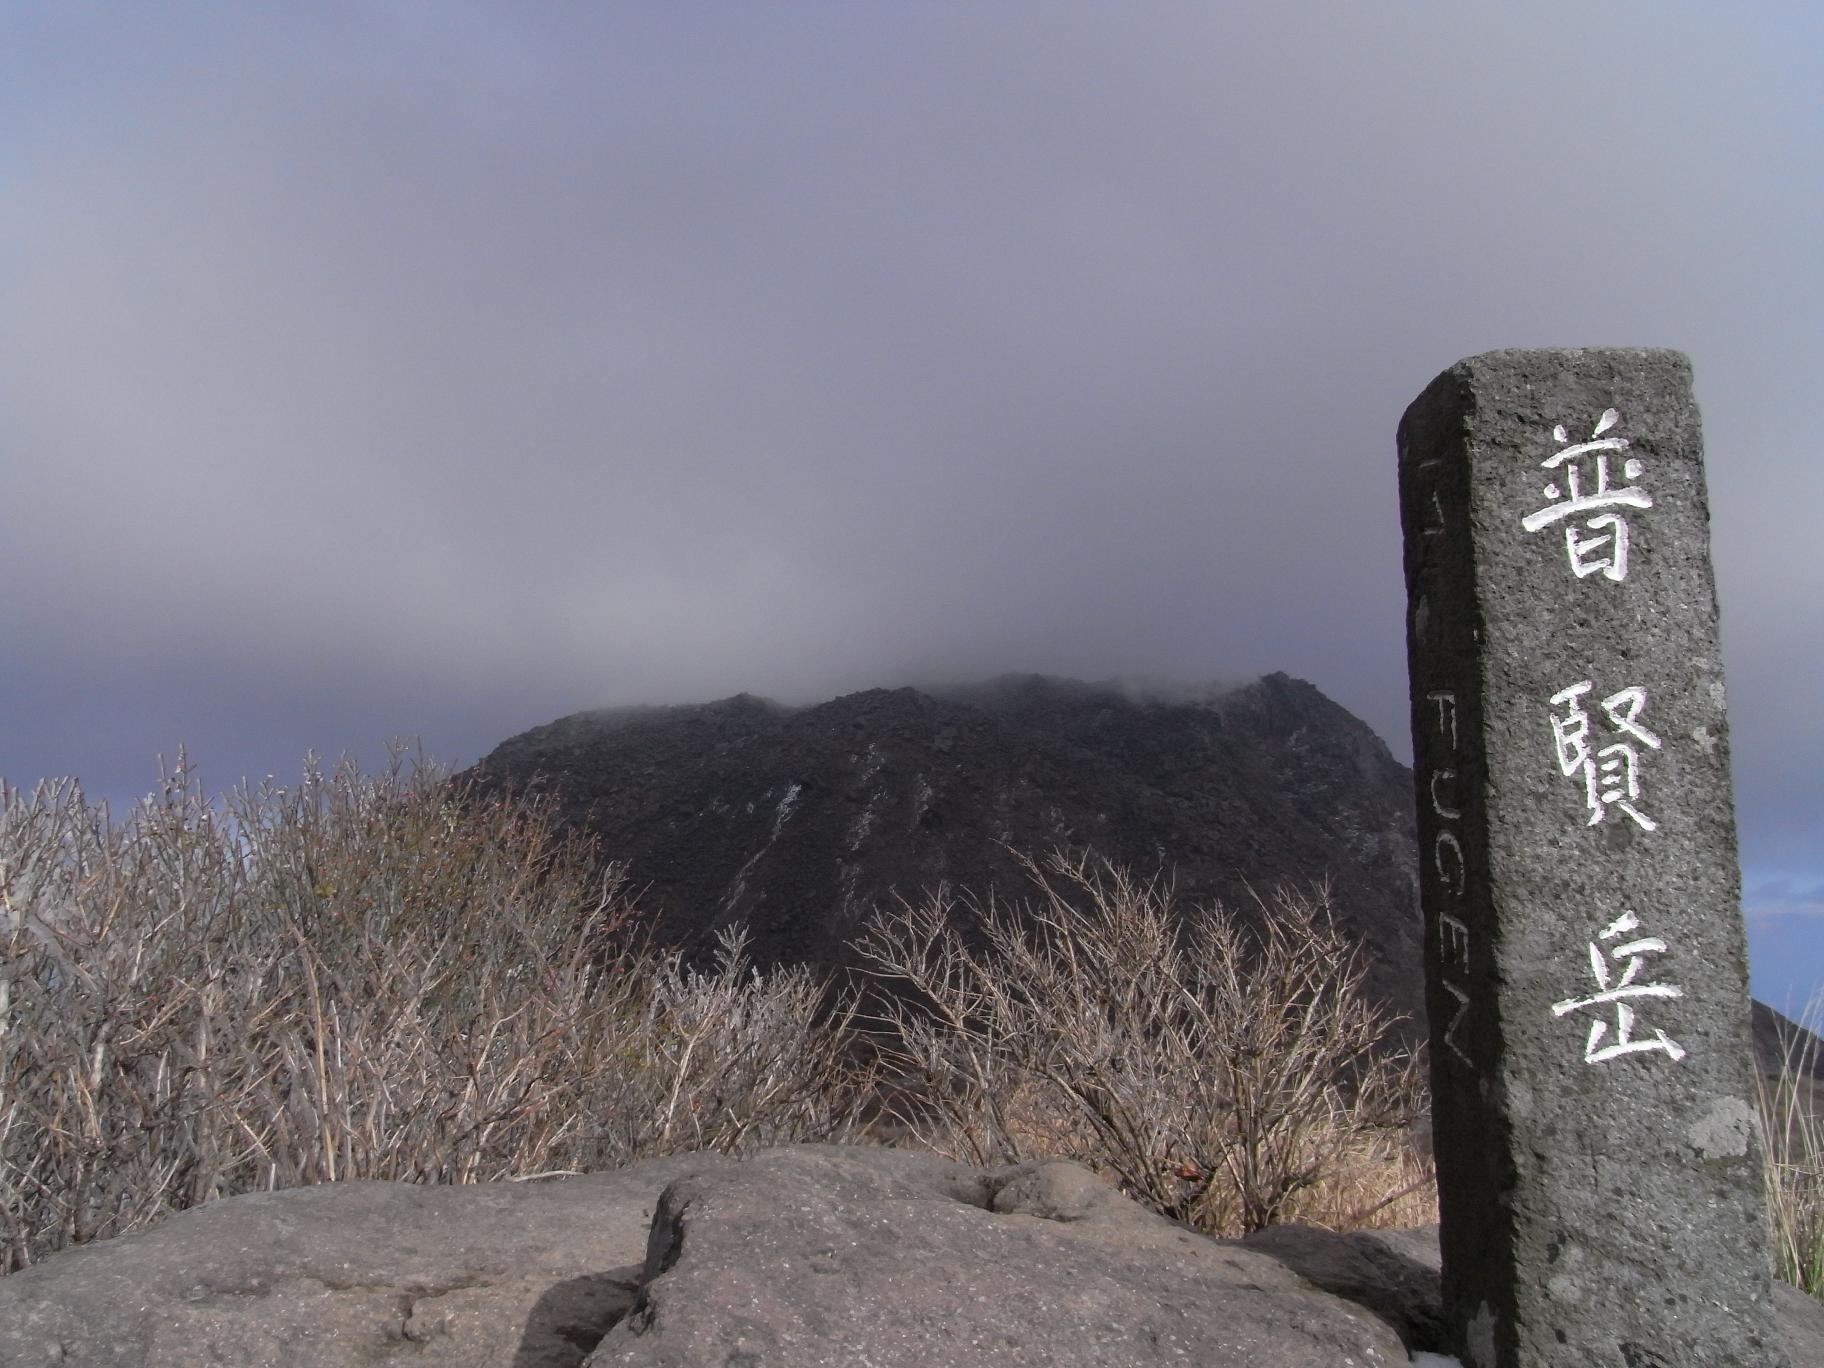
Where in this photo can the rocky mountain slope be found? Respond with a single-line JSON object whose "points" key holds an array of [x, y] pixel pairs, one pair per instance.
{"points": [[798, 821]]}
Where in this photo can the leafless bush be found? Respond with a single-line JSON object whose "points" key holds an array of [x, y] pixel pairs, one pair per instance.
{"points": [[1223, 1072], [382, 979], [357, 979]]}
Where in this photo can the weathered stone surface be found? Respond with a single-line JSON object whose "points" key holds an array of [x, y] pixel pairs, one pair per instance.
{"points": [[802, 1256], [527, 1274], [1598, 1149], [1394, 1273], [813, 1256], [1801, 1324]]}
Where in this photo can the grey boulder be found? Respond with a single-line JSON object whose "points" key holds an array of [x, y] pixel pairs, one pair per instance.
{"points": [[371, 1273], [816, 1256]]}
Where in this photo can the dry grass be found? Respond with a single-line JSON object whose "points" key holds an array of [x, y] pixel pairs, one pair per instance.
{"points": [[1792, 1113], [1228, 1075]]}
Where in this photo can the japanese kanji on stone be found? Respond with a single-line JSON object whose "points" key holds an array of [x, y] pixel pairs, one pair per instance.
{"points": [[1599, 1154]]}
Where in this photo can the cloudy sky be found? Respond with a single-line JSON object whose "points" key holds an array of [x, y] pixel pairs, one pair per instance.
{"points": [[437, 369]]}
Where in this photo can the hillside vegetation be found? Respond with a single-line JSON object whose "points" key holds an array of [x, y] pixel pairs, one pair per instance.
{"points": [[375, 977]]}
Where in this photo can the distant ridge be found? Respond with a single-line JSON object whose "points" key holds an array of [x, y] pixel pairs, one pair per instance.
{"points": [[798, 820]]}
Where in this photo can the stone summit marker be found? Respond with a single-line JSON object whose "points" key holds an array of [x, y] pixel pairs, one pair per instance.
{"points": [[1599, 1152]]}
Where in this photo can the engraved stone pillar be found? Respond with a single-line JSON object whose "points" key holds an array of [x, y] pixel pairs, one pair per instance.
{"points": [[1599, 1154]]}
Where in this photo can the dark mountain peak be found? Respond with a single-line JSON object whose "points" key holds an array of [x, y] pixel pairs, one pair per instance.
{"points": [[595, 722], [1311, 725], [746, 705], [1013, 689], [870, 703], [1286, 703], [799, 821], [1037, 695]]}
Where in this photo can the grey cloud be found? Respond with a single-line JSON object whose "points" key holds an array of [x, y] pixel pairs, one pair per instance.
{"points": [[446, 369]]}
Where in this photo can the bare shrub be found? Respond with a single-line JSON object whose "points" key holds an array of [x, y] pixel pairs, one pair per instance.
{"points": [[357, 979], [1222, 1072]]}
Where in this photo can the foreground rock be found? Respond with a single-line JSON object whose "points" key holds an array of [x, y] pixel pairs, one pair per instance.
{"points": [[521, 1274], [804, 1256], [810, 1257]]}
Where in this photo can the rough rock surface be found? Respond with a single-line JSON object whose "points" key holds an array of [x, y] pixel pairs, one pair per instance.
{"points": [[817, 1259], [522, 1274], [1395, 1274], [1595, 1131], [798, 1257]]}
